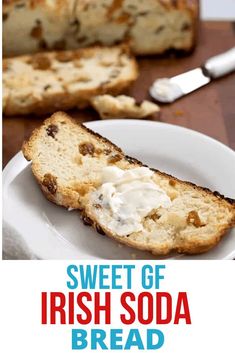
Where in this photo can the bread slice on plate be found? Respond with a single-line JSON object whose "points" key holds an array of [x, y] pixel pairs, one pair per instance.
{"points": [[47, 82], [117, 195]]}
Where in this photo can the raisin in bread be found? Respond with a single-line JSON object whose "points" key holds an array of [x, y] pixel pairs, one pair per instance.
{"points": [[42, 83], [122, 106], [68, 160], [151, 26]]}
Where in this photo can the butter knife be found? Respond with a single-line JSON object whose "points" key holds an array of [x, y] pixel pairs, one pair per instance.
{"points": [[167, 90]]}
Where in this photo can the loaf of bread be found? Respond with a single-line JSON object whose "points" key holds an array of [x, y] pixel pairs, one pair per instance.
{"points": [[42, 83], [150, 26], [69, 161]]}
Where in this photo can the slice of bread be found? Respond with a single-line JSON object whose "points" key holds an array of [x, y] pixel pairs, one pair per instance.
{"points": [[67, 161], [43, 83]]}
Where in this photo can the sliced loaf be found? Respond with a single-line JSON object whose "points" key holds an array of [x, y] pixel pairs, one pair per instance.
{"points": [[150, 26]]}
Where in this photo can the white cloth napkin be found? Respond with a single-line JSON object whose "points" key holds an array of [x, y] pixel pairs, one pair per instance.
{"points": [[13, 245]]}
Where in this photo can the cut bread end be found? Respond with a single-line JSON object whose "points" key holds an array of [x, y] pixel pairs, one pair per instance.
{"points": [[67, 160]]}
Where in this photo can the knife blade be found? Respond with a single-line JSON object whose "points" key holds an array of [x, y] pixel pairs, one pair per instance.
{"points": [[167, 90]]}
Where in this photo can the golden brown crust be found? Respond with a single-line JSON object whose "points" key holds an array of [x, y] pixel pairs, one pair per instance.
{"points": [[32, 4], [171, 4], [181, 4], [9, 2]]}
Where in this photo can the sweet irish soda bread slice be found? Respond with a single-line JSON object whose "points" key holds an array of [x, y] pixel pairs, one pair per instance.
{"points": [[47, 82], [140, 207]]}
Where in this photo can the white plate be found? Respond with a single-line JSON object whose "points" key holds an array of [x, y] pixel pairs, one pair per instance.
{"points": [[54, 233]]}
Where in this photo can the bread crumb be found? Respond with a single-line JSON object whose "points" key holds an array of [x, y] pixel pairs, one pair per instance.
{"points": [[179, 112]]}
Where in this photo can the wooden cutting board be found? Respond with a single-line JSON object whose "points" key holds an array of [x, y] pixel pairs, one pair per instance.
{"points": [[210, 110]]}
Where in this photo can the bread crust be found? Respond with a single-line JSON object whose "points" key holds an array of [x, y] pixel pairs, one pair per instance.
{"points": [[30, 3], [65, 198]]}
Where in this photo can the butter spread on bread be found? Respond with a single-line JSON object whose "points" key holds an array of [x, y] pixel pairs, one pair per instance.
{"points": [[126, 197]]}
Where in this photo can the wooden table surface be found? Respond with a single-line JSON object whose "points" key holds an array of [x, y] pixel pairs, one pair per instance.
{"points": [[210, 110]]}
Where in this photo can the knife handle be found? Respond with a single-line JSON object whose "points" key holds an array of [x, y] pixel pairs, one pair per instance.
{"points": [[221, 64]]}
